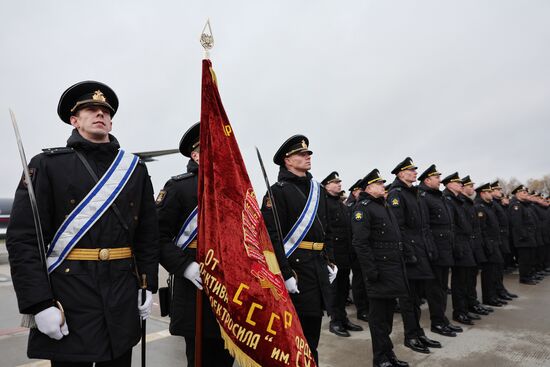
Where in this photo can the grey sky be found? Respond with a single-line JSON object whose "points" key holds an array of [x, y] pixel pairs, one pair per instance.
{"points": [[463, 84]]}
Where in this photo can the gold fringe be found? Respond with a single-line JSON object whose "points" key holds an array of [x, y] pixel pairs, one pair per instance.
{"points": [[242, 359]]}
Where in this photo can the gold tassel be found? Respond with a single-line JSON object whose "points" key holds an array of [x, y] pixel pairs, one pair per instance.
{"points": [[242, 359], [28, 321]]}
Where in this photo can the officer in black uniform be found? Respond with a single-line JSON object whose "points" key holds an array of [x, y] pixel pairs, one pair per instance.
{"points": [[343, 253], [358, 290], [309, 270], [523, 227], [96, 282], [502, 215], [403, 200], [541, 248], [462, 249], [490, 234], [467, 196], [377, 241], [440, 232], [175, 203]]}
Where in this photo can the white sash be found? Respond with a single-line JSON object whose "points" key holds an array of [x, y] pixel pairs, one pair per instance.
{"points": [[89, 210], [188, 231], [305, 221]]}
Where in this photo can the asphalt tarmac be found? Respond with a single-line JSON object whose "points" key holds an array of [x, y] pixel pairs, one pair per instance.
{"points": [[517, 334]]}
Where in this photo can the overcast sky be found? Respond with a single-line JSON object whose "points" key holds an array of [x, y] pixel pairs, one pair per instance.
{"points": [[464, 84]]}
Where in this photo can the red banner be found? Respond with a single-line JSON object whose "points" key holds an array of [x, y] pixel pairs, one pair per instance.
{"points": [[239, 270]]}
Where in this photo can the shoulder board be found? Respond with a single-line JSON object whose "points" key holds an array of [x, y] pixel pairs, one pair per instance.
{"points": [[423, 193], [58, 150], [350, 204], [183, 176], [280, 183], [365, 202], [398, 189]]}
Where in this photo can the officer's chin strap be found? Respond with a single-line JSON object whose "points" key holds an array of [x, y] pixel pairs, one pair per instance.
{"points": [[29, 322]]}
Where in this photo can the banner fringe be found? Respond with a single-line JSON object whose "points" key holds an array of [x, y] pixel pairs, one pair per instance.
{"points": [[242, 358]]}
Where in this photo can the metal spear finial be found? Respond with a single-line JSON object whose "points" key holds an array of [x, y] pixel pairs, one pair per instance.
{"points": [[207, 39]]}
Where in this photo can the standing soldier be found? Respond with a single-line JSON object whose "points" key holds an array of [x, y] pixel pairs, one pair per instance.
{"points": [[403, 200], [502, 215], [304, 253], [467, 196], [541, 248], [341, 231], [360, 297], [177, 212], [462, 250], [490, 234], [99, 224], [439, 231], [377, 241], [523, 227]]}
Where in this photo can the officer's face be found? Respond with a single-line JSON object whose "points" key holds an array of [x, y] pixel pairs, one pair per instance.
{"points": [[505, 201], [299, 161], [468, 190], [334, 187], [486, 195], [522, 195], [433, 182], [93, 123], [455, 187], [376, 189], [408, 175], [497, 193]]}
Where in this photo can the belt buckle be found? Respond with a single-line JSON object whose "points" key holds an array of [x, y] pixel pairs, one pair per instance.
{"points": [[104, 254]]}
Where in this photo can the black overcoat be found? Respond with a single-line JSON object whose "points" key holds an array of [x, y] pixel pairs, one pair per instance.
{"points": [[175, 202], [377, 243], [289, 197], [462, 231], [99, 297]]}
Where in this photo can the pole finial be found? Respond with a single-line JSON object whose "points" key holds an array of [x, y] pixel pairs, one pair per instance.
{"points": [[207, 39]]}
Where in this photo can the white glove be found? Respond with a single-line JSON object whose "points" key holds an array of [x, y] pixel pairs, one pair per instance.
{"points": [[145, 308], [292, 285], [332, 271], [48, 322], [193, 273]]}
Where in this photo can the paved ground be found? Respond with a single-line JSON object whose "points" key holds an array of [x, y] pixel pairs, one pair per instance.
{"points": [[515, 335]]}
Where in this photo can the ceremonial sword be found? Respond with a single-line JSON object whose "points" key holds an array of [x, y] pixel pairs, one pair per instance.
{"points": [[270, 194], [28, 320]]}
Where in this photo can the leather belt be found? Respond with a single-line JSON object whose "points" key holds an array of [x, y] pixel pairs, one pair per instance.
{"points": [[100, 254], [193, 244], [388, 245], [314, 246]]}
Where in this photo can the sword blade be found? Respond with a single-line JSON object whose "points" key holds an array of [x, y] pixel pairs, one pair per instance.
{"points": [[32, 197], [270, 193]]}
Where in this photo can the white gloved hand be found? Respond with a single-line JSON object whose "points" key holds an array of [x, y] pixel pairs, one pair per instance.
{"points": [[332, 271], [147, 306], [292, 285], [48, 322], [193, 273]]}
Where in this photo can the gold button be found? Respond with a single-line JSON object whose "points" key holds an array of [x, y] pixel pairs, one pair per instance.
{"points": [[104, 254], [67, 270], [72, 201], [131, 203], [136, 217]]}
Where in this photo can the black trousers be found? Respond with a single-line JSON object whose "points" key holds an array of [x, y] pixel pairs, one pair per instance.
{"points": [[380, 326], [547, 257], [471, 283], [341, 288], [311, 326], [436, 294], [358, 288], [489, 282], [526, 260], [410, 309], [459, 289], [213, 353], [124, 360]]}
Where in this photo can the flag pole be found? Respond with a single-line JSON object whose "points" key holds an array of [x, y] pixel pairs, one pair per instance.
{"points": [[207, 42]]}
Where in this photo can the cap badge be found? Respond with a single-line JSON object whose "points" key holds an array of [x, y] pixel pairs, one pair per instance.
{"points": [[304, 145], [98, 96]]}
